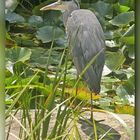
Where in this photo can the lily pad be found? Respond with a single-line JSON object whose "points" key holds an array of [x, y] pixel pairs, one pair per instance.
{"points": [[123, 18], [48, 33], [104, 9], [14, 18], [114, 60], [18, 54], [35, 20]]}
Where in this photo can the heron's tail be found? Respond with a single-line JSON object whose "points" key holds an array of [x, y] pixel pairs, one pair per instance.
{"points": [[93, 79]]}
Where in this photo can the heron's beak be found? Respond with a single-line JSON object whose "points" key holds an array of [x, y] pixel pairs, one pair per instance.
{"points": [[54, 6]]}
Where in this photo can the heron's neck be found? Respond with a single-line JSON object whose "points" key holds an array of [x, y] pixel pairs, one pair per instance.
{"points": [[66, 14]]}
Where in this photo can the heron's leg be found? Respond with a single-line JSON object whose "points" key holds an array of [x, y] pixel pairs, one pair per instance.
{"points": [[91, 111], [92, 119]]}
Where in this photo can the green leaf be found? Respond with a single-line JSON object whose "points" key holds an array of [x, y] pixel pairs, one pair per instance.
{"points": [[105, 102], [130, 31], [124, 8], [121, 91], [123, 18], [9, 41], [128, 37], [35, 20], [39, 57], [128, 88], [109, 34], [131, 51], [129, 3], [114, 60], [110, 80], [47, 33], [24, 81], [128, 40], [104, 9], [18, 54], [129, 85], [14, 18], [121, 8]]}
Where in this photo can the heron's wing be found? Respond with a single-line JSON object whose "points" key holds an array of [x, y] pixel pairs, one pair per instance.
{"points": [[87, 40]]}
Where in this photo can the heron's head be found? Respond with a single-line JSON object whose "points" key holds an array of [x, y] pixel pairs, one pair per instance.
{"points": [[63, 5]]}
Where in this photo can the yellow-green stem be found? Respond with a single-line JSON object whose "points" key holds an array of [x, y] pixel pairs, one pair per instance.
{"points": [[2, 70]]}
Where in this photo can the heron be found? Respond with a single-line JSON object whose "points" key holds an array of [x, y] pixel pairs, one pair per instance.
{"points": [[86, 38]]}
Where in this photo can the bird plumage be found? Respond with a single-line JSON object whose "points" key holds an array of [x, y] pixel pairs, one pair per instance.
{"points": [[86, 39]]}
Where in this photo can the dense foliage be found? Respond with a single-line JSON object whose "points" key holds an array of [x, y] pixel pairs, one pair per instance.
{"points": [[31, 32], [38, 63]]}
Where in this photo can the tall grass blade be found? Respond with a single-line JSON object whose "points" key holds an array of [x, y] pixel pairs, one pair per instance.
{"points": [[2, 70]]}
